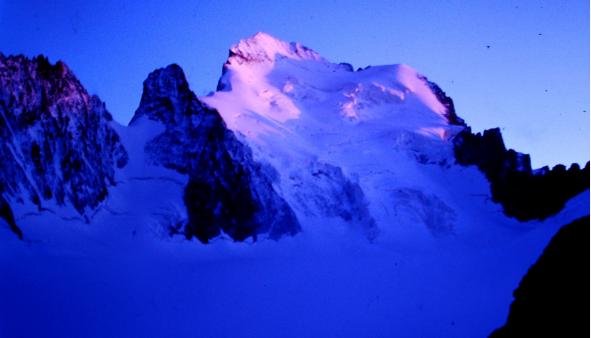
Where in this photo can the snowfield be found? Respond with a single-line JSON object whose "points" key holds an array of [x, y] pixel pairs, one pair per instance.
{"points": [[397, 239], [119, 279]]}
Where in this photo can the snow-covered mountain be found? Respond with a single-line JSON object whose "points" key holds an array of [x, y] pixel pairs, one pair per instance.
{"points": [[384, 210], [385, 131]]}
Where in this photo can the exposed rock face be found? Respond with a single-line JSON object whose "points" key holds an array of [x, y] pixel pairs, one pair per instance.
{"points": [[447, 102], [56, 141], [552, 297], [525, 194], [227, 190], [7, 215]]}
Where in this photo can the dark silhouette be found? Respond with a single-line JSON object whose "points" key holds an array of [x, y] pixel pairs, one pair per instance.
{"points": [[524, 193], [6, 214], [552, 298]]}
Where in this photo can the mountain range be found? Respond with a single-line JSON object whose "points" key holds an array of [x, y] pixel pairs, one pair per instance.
{"points": [[318, 179]]}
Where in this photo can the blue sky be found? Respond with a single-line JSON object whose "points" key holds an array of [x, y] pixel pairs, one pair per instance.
{"points": [[519, 65]]}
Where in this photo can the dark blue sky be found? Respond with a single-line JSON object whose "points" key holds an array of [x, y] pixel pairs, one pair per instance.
{"points": [[520, 65]]}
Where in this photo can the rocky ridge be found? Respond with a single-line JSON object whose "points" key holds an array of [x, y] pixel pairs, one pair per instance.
{"points": [[56, 140], [227, 191]]}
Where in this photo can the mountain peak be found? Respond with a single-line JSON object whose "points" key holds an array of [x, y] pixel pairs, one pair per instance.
{"points": [[58, 142], [295, 90], [56, 81], [166, 81], [263, 47], [164, 88]]}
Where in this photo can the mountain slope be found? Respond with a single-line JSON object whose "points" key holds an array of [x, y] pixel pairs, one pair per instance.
{"points": [[56, 141], [301, 113], [227, 191]]}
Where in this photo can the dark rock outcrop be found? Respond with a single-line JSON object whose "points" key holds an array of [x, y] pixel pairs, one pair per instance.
{"points": [[7, 215], [227, 191], [552, 298], [447, 102], [524, 193], [56, 141]]}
